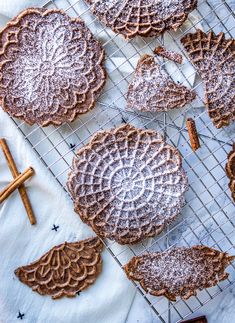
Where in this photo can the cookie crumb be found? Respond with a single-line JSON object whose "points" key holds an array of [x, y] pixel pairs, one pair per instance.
{"points": [[173, 56]]}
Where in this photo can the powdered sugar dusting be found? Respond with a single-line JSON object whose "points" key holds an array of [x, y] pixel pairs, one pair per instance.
{"points": [[179, 271], [173, 269], [152, 89], [163, 8], [127, 183], [144, 17]]}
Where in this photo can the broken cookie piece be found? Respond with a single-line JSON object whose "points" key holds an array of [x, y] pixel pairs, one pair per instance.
{"points": [[214, 58], [179, 271], [152, 89], [64, 270]]}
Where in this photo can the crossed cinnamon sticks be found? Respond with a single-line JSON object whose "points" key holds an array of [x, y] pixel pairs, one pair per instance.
{"points": [[18, 181]]}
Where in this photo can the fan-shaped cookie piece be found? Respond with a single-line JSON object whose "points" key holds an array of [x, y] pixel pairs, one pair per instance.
{"points": [[50, 67], [179, 271], [152, 89], [65, 269], [230, 170], [144, 17], [127, 183], [214, 58]]}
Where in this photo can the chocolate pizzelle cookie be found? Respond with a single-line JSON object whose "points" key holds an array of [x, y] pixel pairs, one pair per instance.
{"points": [[230, 170], [214, 58], [50, 67], [179, 271], [65, 269], [127, 183], [152, 89], [144, 17]]}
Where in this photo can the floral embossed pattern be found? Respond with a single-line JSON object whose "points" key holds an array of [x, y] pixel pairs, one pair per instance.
{"points": [[50, 67], [127, 183], [152, 89], [230, 170], [179, 271], [65, 269], [144, 17], [214, 58]]}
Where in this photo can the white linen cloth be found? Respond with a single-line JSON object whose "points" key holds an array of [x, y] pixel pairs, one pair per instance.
{"points": [[108, 300], [111, 297]]}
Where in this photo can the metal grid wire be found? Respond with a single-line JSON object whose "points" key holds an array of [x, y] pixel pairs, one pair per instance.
{"points": [[208, 216]]}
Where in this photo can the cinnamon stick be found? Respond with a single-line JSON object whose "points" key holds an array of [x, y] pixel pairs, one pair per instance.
{"points": [[15, 173], [16, 183], [193, 135]]}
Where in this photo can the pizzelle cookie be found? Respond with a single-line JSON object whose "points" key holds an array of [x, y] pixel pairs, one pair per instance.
{"points": [[65, 269], [127, 183], [214, 58], [142, 18], [179, 271], [230, 170], [51, 67], [152, 89]]}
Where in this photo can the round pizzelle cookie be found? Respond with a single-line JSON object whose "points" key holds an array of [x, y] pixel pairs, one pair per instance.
{"points": [[51, 67], [127, 183], [143, 17], [179, 271], [64, 270]]}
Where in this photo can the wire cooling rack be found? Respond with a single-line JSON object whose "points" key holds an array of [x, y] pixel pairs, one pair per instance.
{"points": [[208, 216]]}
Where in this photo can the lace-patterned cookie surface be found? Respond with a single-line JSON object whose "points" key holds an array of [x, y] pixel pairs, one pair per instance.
{"points": [[65, 269], [214, 58], [143, 17], [179, 271], [50, 67], [127, 183], [152, 89], [230, 170]]}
